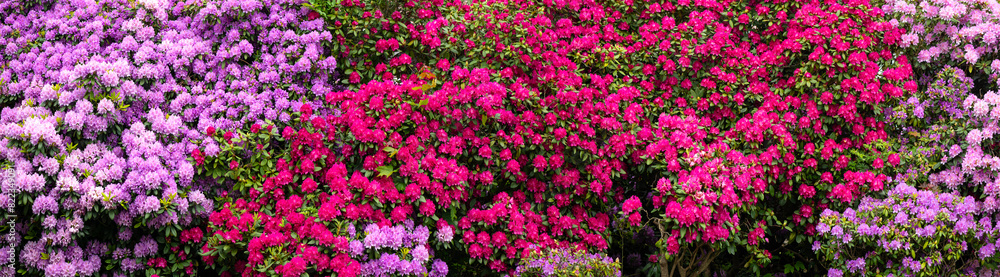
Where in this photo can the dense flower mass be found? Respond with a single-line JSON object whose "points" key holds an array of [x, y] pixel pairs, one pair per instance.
{"points": [[944, 138], [104, 100], [291, 227], [911, 232], [566, 262], [940, 32], [502, 137], [538, 113]]}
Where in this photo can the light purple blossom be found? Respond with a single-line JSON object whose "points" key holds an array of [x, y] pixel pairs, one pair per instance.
{"points": [[60, 269], [445, 234], [856, 265], [146, 247], [420, 253], [439, 269], [45, 204]]}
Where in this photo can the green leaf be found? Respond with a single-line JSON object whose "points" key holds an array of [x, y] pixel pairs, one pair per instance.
{"points": [[392, 151], [385, 171]]}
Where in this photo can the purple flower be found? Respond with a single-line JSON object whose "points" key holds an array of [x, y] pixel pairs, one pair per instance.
{"points": [[374, 237], [926, 231], [60, 269], [45, 204], [351, 230], [549, 269], [74, 120], [856, 265], [49, 222], [39, 131], [445, 234], [420, 254], [901, 218], [30, 182], [131, 265], [439, 269], [419, 235], [125, 234], [987, 250], [822, 228], [146, 247], [837, 231], [963, 225], [146, 204], [105, 106]]}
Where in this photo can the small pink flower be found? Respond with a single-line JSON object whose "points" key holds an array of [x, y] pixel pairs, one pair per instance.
{"points": [[894, 159], [877, 163], [635, 219], [806, 211], [355, 77], [631, 204], [485, 151], [427, 208], [513, 166], [199, 157], [807, 191], [443, 64], [306, 110], [539, 163], [308, 185]]}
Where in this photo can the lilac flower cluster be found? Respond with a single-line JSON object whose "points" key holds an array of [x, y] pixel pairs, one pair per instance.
{"points": [[960, 139], [567, 262], [395, 250], [110, 98], [945, 30], [911, 232], [934, 124], [944, 135]]}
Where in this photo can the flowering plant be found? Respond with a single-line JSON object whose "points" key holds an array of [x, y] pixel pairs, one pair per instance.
{"points": [[505, 124], [567, 262], [933, 127], [104, 100], [298, 216], [944, 139], [957, 33], [911, 232], [549, 106]]}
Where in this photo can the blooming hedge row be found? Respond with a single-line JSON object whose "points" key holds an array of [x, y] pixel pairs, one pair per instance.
{"points": [[215, 137], [773, 95]]}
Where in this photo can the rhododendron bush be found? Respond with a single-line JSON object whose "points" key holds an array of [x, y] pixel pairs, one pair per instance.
{"points": [[950, 33], [946, 151], [104, 101], [296, 212], [911, 232], [567, 262], [945, 148], [565, 102]]}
